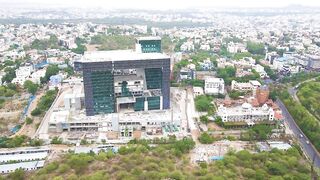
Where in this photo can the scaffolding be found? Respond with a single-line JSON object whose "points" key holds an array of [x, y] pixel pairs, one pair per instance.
{"points": [[103, 92]]}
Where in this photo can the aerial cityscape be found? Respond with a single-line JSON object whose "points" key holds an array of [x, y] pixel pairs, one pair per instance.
{"points": [[121, 90]]}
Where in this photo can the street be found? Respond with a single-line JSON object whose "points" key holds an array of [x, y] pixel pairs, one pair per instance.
{"points": [[308, 149]]}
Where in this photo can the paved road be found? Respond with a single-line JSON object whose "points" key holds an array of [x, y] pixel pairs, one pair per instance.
{"points": [[42, 131], [293, 90], [191, 114], [309, 149]]}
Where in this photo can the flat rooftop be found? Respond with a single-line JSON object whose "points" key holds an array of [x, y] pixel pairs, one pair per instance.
{"points": [[148, 38], [120, 55]]}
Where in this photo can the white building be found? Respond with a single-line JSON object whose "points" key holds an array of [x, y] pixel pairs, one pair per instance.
{"points": [[36, 76], [246, 113], [187, 46], [28, 158], [214, 86], [252, 85], [26, 166], [260, 69], [22, 74], [205, 47], [236, 48]]}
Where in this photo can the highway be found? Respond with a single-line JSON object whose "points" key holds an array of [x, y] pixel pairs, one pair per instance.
{"points": [[308, 149]]}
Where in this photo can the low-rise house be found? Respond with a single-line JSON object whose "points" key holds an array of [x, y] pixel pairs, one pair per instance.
{"points": [[252, 85], [214, 86]]}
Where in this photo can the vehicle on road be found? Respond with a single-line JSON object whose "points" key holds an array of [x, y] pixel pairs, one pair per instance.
{"points": [[301, 136], [307, 142]]}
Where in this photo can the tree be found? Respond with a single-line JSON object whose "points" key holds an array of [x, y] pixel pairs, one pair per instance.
{"points": [[36, 112], [205, 138], [10, 75], [203, 103], [51, 70], [219, 121], [227, 74], [18, 174], [30, 86], [204, 119], [56, 140], [29, 120], [79, 162], [236, 94], [255, 48]]}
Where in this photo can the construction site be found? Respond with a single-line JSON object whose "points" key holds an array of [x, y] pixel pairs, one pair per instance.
{"points": [[123, 94]]}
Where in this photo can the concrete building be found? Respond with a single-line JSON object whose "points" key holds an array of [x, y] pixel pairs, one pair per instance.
{"points": [[36, 76], [252, 85], [214, 86], [314, 62], [125, 80], [260, 69], [22, 73], [246, 113], [74, 100], [236, 47], [187, 74], [121, 124]]}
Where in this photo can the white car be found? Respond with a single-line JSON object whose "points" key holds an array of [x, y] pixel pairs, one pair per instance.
{"points": [[307, 142]]}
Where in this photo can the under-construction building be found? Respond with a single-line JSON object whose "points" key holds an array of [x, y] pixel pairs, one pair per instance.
{"points": [[125, 80], [148, 44]]}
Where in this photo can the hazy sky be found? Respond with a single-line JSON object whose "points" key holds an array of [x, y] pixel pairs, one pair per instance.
{"points": [[165, 4]]}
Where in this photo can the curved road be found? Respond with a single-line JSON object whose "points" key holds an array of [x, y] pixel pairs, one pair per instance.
{"points": [[307, 148]]}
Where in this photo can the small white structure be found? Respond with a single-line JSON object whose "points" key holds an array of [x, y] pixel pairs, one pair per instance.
{"points": [[260, 69], [197, 91], [246, 113], [279, 145], [236, 47], [36, 76], [214, 86]]}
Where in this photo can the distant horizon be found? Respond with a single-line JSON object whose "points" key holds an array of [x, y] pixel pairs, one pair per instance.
{"points": [[158, 5]]}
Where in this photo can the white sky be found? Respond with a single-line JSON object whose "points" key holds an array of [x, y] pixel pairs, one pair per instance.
{"points": [[165, 4]]}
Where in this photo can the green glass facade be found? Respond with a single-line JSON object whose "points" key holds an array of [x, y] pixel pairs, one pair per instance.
{"points": [[150, 46], [153, 103], [139, 105], [153, 78], [103, 92], [99, 85]]}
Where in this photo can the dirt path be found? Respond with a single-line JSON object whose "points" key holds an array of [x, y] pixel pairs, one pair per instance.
{"points": [[30, 129]]}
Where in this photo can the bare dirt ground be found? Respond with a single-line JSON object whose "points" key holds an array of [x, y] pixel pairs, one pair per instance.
{"points": [[10, 115], [213, 126], [92, 47], [30, 129]]}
